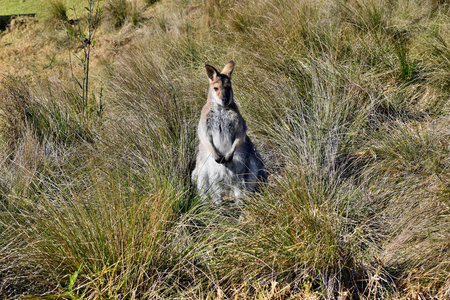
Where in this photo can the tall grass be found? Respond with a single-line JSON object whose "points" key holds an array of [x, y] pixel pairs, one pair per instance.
{"points": [[348, 103], [412, 163], [58, 10], [120, 12], [92, 223]]}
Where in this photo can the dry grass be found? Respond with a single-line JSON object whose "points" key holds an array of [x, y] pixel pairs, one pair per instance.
{"points": [[347, 100]]}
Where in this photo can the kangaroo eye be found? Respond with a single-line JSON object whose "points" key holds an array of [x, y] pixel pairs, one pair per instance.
{"points": [[216, 89]]}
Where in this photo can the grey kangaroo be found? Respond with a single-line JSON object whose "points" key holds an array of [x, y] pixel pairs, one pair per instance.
{"points": [[227, 160]]}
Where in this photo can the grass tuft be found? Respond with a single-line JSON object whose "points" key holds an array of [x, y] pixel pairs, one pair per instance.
{"points": [[58, 10], [121, 12]]}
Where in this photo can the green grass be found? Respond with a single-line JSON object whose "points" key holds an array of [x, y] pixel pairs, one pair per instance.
{"points": [[39, 7], [348, 104]]}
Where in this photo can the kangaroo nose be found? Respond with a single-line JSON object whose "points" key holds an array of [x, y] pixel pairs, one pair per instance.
{"points": [[225, 100], [225, 96]]}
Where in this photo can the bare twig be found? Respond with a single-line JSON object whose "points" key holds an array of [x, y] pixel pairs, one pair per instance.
{"points": [[87, 42]]}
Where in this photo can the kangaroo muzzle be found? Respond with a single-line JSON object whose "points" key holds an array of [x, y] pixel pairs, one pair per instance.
{"points": [[227, 97]]}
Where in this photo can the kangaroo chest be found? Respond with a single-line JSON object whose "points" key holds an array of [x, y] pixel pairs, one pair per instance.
{"points": [[222, 125]]}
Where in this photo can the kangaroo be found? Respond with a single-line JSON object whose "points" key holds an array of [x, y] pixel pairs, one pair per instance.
{"points": [[227, 160]]}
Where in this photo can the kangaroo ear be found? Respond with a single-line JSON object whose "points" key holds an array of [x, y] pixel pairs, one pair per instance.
{"points": [[211, 72], [228, 69]]}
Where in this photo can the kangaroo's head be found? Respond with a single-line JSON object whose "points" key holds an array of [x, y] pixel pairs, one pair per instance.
{"points": [[220, 90]]}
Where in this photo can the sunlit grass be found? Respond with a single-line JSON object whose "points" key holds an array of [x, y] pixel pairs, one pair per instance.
{"points": [[39, 7], [347, 102]]}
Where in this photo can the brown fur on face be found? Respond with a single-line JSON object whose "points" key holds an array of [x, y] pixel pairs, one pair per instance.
{"points": [[221, 86], [220, 83]]}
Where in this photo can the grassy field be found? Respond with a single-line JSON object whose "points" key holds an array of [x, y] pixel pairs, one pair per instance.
{"points": [[347, 101], [39, 7]]}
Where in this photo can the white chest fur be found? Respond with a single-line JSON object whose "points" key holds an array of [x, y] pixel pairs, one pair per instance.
{"points": [[222, 125]]}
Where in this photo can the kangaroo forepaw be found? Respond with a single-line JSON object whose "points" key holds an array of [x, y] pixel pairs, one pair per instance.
{"points": [[228, 158], [220, 159], [224, 159]]}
